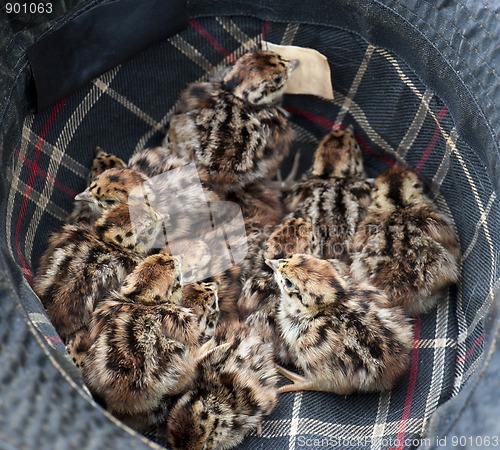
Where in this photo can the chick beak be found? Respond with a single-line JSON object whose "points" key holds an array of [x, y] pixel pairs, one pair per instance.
{"points": [[85, 196], [294, 63], [272, 263]]}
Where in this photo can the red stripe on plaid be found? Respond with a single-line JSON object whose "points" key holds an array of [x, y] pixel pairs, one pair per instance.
{"points": [[478, 341], [314, 118], [331, 125], [266, 26], [369, 151], [411, 383], [53, 339], [433, 140], [61, 186], [210, 39], [29, 185]]}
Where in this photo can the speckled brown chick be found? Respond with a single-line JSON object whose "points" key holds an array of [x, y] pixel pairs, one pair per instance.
{"points": [[144, 347], [109, 188], [154, 161], [260, 288], [260, 294], [405, 246], [343, 338], [103, 161], [83, 262], [84, 211], [234, 388], [333, 196], [235, 129], [202, 299]]}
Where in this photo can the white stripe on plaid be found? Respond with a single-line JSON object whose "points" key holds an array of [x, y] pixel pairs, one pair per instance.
{"points": [[194, 55], [444, 166], [290, 33], [62, 143], [295, 420], [416, 125], [191, 52], [445, 342], [483, 218], [438, 361], [66, 161], [247, 43], [314, 427], [132, 107], [346, 104], [15, 180], [384, 402], [21, 187]]}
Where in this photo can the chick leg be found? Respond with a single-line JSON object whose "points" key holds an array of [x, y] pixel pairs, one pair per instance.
{"points": [[207, 349], [284, 184], [300, 383]]}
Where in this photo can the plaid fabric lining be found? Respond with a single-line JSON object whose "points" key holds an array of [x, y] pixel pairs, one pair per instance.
{"points": [[397, 120]]}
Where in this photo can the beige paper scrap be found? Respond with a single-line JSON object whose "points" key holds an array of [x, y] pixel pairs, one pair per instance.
{"points": [[312, 76]]}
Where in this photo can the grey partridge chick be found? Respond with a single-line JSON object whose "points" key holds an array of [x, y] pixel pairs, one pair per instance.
{"points": [[260, 288], [103, 161], [259, 300], [154, 161], [202, 299], [405, 246], [83, 211], [83, 262], [333, 196], [109, 188], [144, 346], [234, 388], [234, 128], [343, 338]]}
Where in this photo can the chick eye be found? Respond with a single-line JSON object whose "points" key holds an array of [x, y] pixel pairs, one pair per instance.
{"points": [[178, 278], [288, 283], [111, 201], [278, 80]]}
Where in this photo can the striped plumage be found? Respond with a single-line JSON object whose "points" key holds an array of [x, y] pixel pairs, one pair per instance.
{"points": [[233, 128], [405, 246], [333, 196], [202, 299], [343, 338], [234, 388], [144, 346], [154, 161], [82, 263], [84, 211], [110, 187], [103, 161]]}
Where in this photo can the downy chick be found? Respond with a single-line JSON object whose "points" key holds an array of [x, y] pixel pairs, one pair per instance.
{"points": [[343, 338], [144, 346], [83, 262], [333, 196], [83, 211], [234, 128], [235, 387], [405, 246]]}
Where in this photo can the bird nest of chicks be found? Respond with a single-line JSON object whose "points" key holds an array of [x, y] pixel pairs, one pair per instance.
{"points": [[193, 352]]}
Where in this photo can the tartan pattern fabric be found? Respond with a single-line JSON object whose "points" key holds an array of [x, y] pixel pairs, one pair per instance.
{"points": [[397, 120]]}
